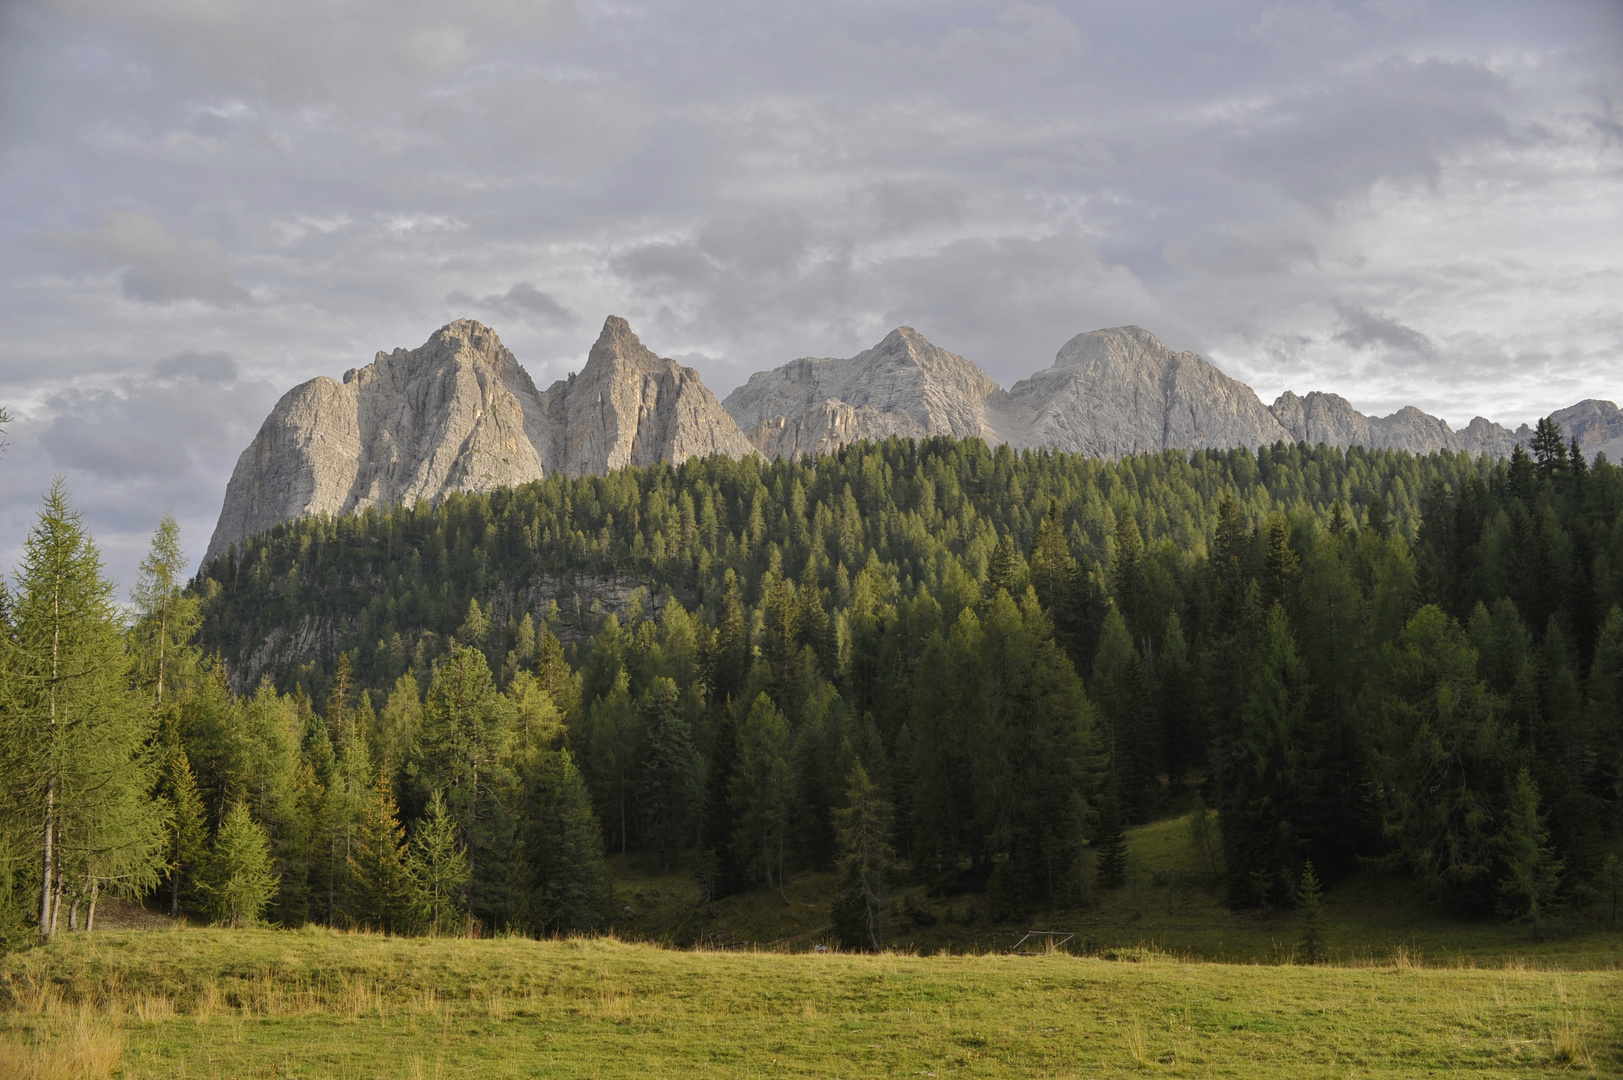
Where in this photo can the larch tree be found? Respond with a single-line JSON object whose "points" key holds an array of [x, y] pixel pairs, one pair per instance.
{"points": [[78, 739]]}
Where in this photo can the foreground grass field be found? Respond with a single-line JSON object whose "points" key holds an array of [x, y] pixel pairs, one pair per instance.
{"points": [[219, 1004]]}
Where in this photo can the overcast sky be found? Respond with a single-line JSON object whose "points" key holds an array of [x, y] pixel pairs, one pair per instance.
{"points": [[209, 201]]}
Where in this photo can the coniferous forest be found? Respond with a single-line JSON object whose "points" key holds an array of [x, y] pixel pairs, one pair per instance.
{"points": [[929, 662]]}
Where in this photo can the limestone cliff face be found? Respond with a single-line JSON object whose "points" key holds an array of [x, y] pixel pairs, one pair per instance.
{"points": [[460, 414], [1331, 419], [1120, 391], [457, 414], [630, 407], [902, 386]]}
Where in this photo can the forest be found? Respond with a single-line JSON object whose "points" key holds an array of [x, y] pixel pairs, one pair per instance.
{"points": [[933, 662]]}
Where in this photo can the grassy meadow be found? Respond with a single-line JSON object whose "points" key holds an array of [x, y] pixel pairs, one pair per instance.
{"points": [[1158, 979]]}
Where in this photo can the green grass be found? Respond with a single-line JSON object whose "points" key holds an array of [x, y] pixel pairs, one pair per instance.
{"points": [[216, 1004], [1171, 983], [1170, 905]]}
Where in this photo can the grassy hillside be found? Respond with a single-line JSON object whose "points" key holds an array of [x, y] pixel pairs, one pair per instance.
{"points": [[1169, 905], [208, 1003], [1413, 993]]}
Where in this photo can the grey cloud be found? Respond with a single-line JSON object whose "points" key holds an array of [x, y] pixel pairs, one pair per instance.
{"points": [[202, 367], [135, 428], [901, 206], [749, 183], [523, 301], [301, 51], [1362, 329], [1248, 253], [1399, 119], [160, 267]]}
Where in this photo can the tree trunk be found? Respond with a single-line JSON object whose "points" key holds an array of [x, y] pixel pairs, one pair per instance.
{"points": [[174, 879], [45, 869], [90, 916]]}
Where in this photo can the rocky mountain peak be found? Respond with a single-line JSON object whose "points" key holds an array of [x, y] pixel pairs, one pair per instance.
{"points": [[905, 385], [1115, 346], [459, 413]]}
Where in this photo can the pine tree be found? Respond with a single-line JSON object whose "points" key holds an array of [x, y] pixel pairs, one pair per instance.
{"points": [[1532, 872], [1110, 841], [863, 825], [720, 872], [1269, 789], [569, 888], [1439, 746], [762, 791], [438, 866], [239, 882], [464, 753], [1310, 916], [1549, 449], [1004, 570], [76, 739], [671, 770]]}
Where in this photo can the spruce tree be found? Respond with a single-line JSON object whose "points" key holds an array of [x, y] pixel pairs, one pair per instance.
{"points": [[568, 883], [1532, 873], [720, 871], [762, 791], [438, 865], [239, 883], [863, 825], [464, 752], [1310, 915], [1110, 842], [187, 833], [671, 770]]}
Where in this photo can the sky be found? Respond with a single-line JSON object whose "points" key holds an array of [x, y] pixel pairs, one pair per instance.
{"points": [[206, 202]]}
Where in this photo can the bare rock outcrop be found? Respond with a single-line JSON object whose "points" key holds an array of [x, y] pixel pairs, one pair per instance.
{"points": [[1331, 419], [1121, 391], [902, 386], [457, 414], [630, 407], [460, 414]]}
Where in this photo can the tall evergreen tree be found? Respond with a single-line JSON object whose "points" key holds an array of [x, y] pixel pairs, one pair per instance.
{"points": [[379, 890], [720, 870], [1441, 751], [863, 825], [77, 740], [239, 882], [1532, 873], [463, 753], [438, 864], [672, 774], [167, 618], [763, 793], [568, 883]]}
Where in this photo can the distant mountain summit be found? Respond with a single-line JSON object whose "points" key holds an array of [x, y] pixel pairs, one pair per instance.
{"points": [[902, 386], [460, 414]]}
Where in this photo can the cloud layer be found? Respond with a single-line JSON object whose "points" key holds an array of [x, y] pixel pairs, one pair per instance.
{"points": [[1403, 201]]}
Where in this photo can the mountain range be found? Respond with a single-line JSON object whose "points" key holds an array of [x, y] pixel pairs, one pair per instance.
{"points": [[460, 414]]}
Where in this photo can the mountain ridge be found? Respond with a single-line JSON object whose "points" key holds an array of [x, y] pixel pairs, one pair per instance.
{"points": [[459, 413]]}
